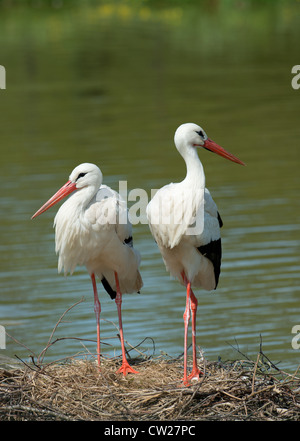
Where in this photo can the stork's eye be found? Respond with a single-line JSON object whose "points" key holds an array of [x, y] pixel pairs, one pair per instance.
{"points": [[81, 175], [201, 133]]}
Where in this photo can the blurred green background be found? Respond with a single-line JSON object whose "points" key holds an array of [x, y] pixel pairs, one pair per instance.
{"points": [[108, 82]]}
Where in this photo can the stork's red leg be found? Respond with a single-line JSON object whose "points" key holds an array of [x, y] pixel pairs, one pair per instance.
{"points": [[195, 371], [186, 319], [191, 303], [125, 368], [97, 309]]}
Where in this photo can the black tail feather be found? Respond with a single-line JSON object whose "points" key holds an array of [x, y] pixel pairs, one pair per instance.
{"points": [[108, 288]]}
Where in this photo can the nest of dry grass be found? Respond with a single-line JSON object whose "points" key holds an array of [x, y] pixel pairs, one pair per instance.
{"points": [[78, 390]]}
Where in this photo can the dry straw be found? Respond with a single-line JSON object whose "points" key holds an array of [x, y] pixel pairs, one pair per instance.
{"points": [[77, 390]]}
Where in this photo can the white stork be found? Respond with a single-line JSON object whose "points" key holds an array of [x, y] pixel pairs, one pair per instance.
{"points": [[92, 229], [185, 224]]}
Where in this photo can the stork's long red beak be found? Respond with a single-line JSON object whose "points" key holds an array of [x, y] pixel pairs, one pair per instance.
{"points": [[213, 147], [58, 196]]}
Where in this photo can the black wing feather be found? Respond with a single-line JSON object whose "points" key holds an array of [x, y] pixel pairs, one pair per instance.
{"points": [[213, 252], [220, 220], [129, 241]]}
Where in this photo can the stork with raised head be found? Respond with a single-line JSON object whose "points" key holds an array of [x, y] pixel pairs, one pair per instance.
{"points": [[92, 229], [192, 253]]}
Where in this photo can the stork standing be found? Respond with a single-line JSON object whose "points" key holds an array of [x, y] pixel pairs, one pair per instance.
{"points": [[92, 229], [192, 253]]}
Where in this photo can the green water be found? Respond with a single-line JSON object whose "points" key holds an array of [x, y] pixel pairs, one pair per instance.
{"points": [[109, 83]]}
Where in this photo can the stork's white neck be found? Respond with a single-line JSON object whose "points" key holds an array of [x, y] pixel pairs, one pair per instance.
{"points": [[194, 169], [80, 199]]}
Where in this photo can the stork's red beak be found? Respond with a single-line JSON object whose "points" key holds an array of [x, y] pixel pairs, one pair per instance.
{"points": [[58, 196], [213, 147]]}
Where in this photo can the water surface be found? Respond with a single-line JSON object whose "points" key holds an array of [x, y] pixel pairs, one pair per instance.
{"points": [[109, 84]]}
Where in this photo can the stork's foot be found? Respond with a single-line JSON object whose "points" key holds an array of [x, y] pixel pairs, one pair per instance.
{"points": [[195, 374], [185, 383], [126, 369]]}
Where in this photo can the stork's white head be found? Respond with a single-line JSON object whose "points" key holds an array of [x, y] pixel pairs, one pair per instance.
{"points": [[190, 136], [83, 176]]}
